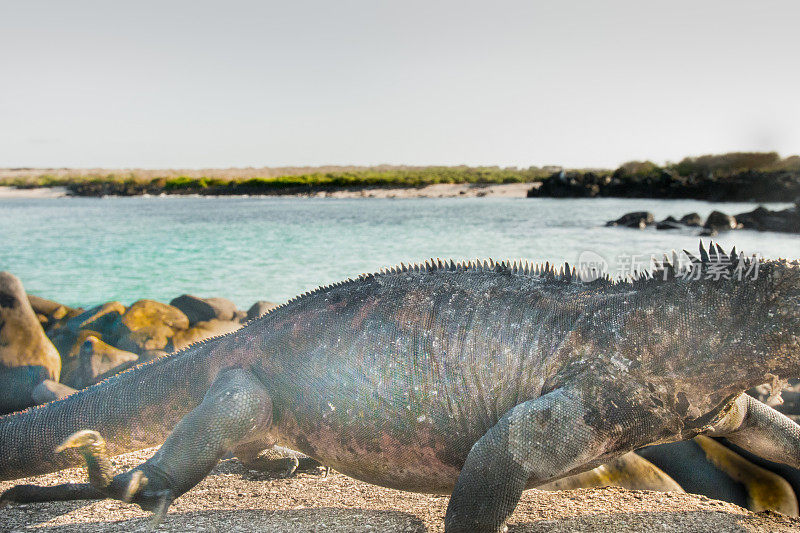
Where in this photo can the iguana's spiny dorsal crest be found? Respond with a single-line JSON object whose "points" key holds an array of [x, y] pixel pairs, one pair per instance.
{"points": [[484, 376], [665, 270]]}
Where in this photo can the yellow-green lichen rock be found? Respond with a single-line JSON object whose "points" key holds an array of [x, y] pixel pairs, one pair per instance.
{"points": [[148, 325], [628, 471], [202, 331]]}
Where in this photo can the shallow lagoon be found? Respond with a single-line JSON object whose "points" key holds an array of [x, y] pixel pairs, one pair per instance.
{"points": [[82, 251]]}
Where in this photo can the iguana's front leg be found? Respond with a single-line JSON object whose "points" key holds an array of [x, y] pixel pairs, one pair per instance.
{"points": [[536, 441]]}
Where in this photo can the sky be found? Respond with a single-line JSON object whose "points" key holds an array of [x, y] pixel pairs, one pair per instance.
{"points": [[193, 84]]}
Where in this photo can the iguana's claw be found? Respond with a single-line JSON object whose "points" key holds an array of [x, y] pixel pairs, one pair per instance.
{"points": [[137, 482], [83, 439], [92, 447], [164, 499], [291, 469]]}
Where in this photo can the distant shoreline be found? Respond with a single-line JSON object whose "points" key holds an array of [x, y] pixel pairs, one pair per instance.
{"points": [[440, 190], [735, 176], [36, 192]]}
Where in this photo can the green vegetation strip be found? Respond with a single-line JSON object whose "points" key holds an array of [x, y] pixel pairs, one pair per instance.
{"points": [[238, 181]]}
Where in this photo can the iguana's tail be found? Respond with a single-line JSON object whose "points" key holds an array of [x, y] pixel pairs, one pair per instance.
{"points": [[133, 410]]}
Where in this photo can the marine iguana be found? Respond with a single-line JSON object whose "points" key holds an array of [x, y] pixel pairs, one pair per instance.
{"points": [[476, 379]]}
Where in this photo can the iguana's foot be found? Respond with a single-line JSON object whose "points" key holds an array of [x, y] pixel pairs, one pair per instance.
{"points": [[284, 463], [235, 409], [151, 493]]}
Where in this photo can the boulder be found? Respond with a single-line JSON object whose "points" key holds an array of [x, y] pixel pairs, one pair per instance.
{"points": [[22, 339], [70, 357], [17, 385], [97, 361], [719, 221], [240, 316], [51, 314], [100, 318], [669, 223], [43, 306], [201, 331], [692, 219], [202, 309], [259, 308], [636, 219], [762, 219], [50, 391], [148, 325]]}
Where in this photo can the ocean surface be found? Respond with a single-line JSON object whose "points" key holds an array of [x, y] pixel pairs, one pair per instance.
{"points": [[84, 251]]}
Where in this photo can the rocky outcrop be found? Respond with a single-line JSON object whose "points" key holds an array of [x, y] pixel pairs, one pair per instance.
{"points": [[636, 219], [202, 309], [668, 224], [148, 325], [97, 343], [762, 219], [692, 219], [100, 318], [50, 313], [22, 339], [747, 186], [259, 308], [759, 219], [571, 185], [719, 221]]}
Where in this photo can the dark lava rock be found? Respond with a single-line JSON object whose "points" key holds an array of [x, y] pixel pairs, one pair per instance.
{"points": [[751, 185], [762, 219], [669, 223], [100, 318], [570, 185], [692, 219], [17, 385], [636, 219], [719, 221]]}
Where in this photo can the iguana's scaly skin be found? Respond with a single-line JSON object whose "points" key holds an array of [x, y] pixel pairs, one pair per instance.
{"points": [[479, 379]]}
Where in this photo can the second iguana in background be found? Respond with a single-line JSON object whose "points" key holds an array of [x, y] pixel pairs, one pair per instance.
{"points": [[476, 379]]}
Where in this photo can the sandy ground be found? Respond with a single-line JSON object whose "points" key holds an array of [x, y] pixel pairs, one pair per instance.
{"points": [[444, 190], [39, 192], [233, 499]]}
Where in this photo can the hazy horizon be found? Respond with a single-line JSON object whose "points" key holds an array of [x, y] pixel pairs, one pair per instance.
{"points": [[248, 84]]}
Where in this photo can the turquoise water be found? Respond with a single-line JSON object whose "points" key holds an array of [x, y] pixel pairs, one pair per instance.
{"points": [[83, 251]]}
